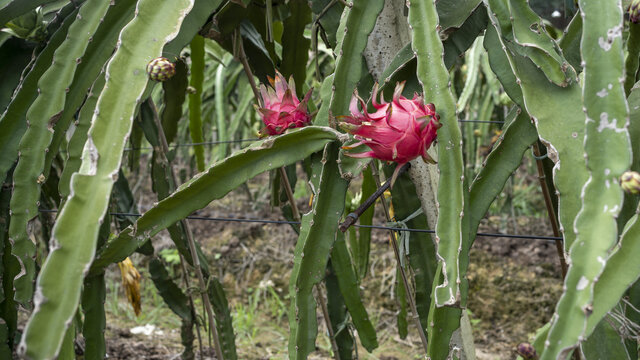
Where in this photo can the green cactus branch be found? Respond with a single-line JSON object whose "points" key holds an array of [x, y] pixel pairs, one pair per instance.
{"points": [[349, 70], [195, 99], [518, 135], [175, 93], [93, 298], [41, 117], [76, 143], [76, 230], [608, 152], [633, 57], [529, 32], [620, 272], [544, 102], [453, 13], [350, 289], [12, 121], [317, 235], [434, 78], [295, 46], [15, 8], [342, 341], [99, 49]]}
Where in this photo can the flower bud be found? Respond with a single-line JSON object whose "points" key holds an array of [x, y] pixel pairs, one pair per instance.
{"points": [[630, 182], [160, 69], [527, 351]]}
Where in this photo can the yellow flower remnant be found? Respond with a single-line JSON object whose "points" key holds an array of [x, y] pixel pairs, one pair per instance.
{"points": [[131, 284]]}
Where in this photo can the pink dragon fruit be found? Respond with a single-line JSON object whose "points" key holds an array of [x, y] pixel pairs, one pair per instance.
{"points": [[282, 110], [398, 131]]}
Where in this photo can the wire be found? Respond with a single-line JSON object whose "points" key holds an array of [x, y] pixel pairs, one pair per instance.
{"points": [[255, 139], [377, 227], [195, 144], [482, 121]]}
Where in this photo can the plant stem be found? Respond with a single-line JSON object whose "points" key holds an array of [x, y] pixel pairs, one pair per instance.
{"points": [[314, 35], [242, 57], [327, 320], [396, 252], [289, 191], [319, 296], [192, 247], [550, 211], [353, 217], [185, 279]]}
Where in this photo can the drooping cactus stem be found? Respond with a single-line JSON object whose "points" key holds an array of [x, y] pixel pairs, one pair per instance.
{"points": [[403, 274]]}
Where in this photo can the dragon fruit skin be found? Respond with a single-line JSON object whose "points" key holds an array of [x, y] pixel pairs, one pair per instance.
{"points": [[281, 108], [398, 131]]}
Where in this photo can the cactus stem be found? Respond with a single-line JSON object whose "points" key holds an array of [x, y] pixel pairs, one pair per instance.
{"points": [[327, 319], [289, 191], [185, 279], [403, 274]]}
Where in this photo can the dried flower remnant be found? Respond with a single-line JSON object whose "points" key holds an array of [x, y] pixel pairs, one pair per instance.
{"points": [[131, 284]]}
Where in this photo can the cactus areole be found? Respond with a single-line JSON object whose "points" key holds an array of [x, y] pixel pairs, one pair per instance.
{"points": [[281, 108], [161, 69], [398, 131]]}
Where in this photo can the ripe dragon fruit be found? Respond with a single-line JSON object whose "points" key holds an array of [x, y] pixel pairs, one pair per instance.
{"points": [[398, 131], [281, 108]]}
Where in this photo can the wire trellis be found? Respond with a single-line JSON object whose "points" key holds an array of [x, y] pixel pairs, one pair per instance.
{"points": [[287, 222], [376, 227], [256, 139]]}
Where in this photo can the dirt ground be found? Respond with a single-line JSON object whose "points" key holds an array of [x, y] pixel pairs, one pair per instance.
{"points": [[514, 284]]}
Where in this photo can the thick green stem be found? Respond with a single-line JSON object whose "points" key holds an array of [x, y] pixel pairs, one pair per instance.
{"points": [[633, 57], [195, 99], [405, 281]]}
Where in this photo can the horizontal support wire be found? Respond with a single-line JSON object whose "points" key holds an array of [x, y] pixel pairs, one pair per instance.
{"points": [[377, 227], [196, 144], [256, 139]]}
